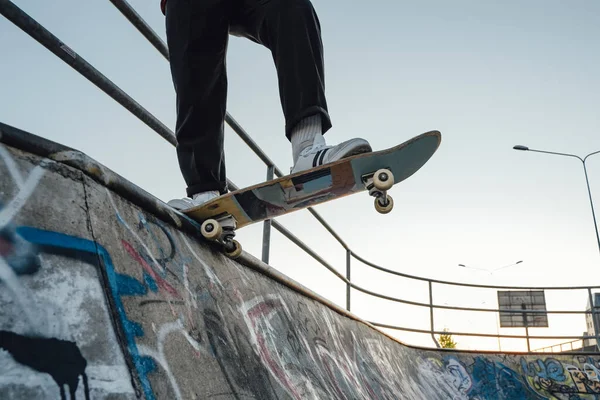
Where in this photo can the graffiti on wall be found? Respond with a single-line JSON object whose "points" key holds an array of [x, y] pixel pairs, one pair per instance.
{"points": [[514, 377], [188, 321], [551, 377], [42, 313], [36, 345]]}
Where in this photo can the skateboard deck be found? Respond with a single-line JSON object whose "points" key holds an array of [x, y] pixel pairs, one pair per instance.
{"points": [[341, 178]]}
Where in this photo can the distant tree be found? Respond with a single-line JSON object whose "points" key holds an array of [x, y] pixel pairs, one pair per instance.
{"points": [[446, 340]]}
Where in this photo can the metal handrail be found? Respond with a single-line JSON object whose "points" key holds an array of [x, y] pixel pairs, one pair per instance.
{"points": [[489, 335], [570, 343], [65, 53], [465, 284], [138, 22], [61, 50]]}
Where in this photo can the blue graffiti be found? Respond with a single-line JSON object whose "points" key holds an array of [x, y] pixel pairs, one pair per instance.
{"points": [[495, 381], [550, 369], [120, 285]]}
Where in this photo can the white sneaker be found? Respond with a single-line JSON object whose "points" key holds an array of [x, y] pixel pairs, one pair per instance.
{"points": [[197, 200], [319, 153]]}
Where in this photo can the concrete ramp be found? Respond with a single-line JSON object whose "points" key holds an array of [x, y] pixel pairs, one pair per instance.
{"points": [[105, 293]]}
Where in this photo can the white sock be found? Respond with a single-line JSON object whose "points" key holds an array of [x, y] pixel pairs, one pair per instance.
{"points": [[304, 134]]}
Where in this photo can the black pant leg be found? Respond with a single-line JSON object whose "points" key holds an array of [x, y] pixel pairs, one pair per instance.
{"points": [[292, 31], [197, 36]]}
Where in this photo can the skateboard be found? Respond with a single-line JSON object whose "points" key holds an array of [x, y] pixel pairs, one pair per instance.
{"points": [[375, 172]]}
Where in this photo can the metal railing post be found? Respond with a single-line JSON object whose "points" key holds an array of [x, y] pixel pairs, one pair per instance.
{"points": [[594, 320], [266, 244], [497, 317], [526, 323], [348, 287], [431, 323]]}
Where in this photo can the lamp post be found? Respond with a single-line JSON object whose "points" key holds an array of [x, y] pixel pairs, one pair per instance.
{"points": [[583, 160], [491, 271]]}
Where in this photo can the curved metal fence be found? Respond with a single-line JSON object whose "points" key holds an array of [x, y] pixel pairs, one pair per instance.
{"points": [[531, 313]]}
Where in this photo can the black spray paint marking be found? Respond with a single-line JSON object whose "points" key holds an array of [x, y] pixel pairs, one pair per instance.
{"points": [[60, 359]]}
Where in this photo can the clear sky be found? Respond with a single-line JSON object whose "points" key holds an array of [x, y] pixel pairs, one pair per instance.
{"points": [[488, 75]]}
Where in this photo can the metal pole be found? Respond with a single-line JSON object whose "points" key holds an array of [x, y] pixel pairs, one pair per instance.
{"points": [[498, 332], [266, 244], [141, 25], [348, 287], [594, 321], [587, 182], [431, 323], [75, 61], [524, 307]]}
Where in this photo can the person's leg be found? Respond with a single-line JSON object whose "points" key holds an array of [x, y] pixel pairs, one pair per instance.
{"points": [[197, 36], [292, 31]]}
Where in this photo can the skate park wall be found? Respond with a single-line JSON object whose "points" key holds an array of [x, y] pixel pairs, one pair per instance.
{"points": [[106, 293]]}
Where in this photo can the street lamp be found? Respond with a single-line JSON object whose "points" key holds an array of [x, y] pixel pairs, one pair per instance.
{"points": [[583, 160], [491, 271]]}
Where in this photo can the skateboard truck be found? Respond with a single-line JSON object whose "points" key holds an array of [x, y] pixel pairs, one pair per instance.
{"points": [[222, 230], [378, 184]]}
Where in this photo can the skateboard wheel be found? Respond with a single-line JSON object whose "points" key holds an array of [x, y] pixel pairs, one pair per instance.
{"points": [[211, 229], [383, 179], [384, 208], [233, 249]]}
